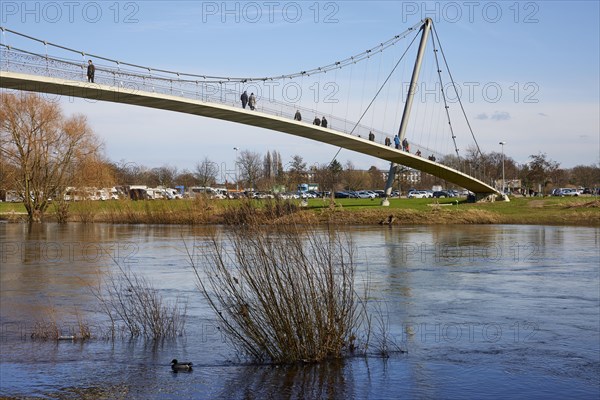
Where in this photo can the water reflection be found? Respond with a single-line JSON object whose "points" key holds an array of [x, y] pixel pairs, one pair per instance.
{"points": [[469, 303], [310, 381]]}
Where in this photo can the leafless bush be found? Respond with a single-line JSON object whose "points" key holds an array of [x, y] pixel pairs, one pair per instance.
{"points": [[85, 211], [45, 330], [243, 212], [284, 295], [50, 328], [278, 208], [136, 308], [61, 211], [380, 338], [252, 212]]}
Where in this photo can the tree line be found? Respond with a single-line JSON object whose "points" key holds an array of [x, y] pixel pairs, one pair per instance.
{"points": [[43, 152]]}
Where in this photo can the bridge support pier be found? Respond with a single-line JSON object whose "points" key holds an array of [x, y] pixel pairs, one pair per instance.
{"points": [[489, 197], [426, 27], [388, 185]]}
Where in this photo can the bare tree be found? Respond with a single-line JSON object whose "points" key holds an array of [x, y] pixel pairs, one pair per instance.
{"points": [[186, 178], [277, 165], [328, 175], [376, 178], [268, 166], [206, 172], [354, 179], [541, 171], [297, 171], [585, 175], [45, 148], [250, 167]]}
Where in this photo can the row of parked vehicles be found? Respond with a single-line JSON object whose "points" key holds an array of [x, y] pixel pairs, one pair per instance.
{"points": [[363, 194], [373, 194], [439, 194], [572, 191]]}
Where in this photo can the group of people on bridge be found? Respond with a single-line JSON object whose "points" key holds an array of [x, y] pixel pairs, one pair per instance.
{"points": [[251, 102], [248, 100], [319, 122]]}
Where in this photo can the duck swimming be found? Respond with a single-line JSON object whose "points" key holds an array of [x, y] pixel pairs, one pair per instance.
{"points": [[181, 366]]}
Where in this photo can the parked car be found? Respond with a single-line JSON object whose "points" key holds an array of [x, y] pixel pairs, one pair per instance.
{"points": [[441, 194], [262, 195], [418, 194], [365, 194], [341, 195], [568, 192]]}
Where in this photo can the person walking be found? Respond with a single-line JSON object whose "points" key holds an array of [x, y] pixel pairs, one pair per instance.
{"points": [[397, 142], [323, 122], [91, 71], [297, 116], [405, 144], [244, 99], [388, 142], [371, 136], [317, 121], [252, 101]]}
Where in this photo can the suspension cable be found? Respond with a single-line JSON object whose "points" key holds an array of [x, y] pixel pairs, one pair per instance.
{"points": [[456, 91], [446, 107], [384, 82], [318, 70], [376, 94]]}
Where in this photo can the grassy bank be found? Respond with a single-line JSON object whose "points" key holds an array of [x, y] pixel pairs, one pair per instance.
{"points": [[580, 211]]}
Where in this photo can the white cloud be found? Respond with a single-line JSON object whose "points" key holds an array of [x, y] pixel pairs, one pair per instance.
{"points": [[500, 116]]}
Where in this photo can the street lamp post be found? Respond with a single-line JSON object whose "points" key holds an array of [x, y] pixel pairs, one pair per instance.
{"points": [[235, 167], [503, 181]]}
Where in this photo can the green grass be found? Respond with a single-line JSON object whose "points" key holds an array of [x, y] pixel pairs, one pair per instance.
{"points": [[12, 207], [521, 210], [527, 210], [358, 204]]}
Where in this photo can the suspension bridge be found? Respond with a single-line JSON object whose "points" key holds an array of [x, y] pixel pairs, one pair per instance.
{"points": [[57, 70]]}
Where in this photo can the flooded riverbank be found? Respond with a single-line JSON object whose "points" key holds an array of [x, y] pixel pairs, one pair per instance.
{"points": [[481, 311]]}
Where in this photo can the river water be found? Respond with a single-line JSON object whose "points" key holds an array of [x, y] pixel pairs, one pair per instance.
{"points": [[481, 312]]}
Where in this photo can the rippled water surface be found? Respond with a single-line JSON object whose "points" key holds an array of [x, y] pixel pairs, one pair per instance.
{"points": [[481, 311]]}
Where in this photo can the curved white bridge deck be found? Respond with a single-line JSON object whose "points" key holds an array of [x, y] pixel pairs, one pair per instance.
{"points": [[34, 83]]}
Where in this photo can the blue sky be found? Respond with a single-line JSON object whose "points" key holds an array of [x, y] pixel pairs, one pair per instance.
{"points": [[542, 55]]}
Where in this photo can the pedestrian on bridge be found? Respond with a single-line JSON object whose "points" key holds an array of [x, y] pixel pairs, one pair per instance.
{"points": [[418, 153], [371, 136], [244, 99], [252, 101], [297, 116], [397, 142], [317, 121], [405, 144], [91, 70], [323, 122], [388, 142]]}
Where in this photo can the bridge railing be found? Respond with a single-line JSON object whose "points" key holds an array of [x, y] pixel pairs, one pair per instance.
{"points": [[211, 91]]}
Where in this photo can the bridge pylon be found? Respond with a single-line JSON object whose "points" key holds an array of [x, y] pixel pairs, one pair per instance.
{"points": [[426, 28]]}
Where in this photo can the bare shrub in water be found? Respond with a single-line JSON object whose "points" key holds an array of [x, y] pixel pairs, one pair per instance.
{"points": [[249, 211], [136, 308], [283, 296], [49, 328]]}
